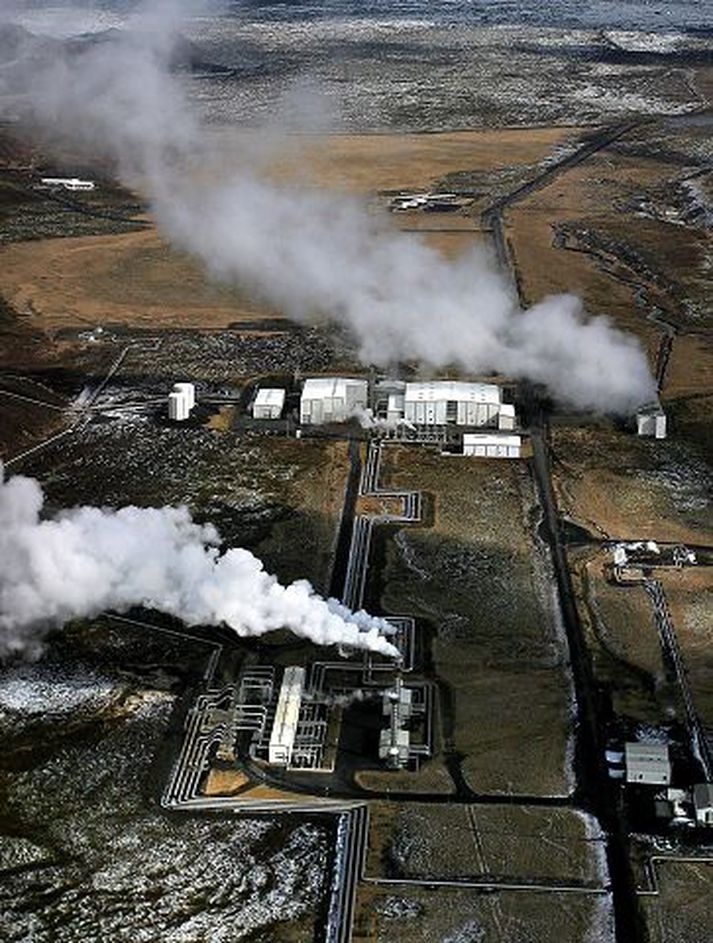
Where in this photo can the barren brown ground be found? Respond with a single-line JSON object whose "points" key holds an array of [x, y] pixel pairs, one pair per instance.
{"points": [[546, 269], [426, 914], [477, 576], [681, 913], [690, 597], [369, 162], [480, 841], [618, 485], [136, 279]]}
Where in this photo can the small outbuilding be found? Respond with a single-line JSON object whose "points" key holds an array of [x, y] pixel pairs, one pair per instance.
{"points": [[178, 408], [484, 445], [703, 803], [269, 403], [648, 763], [188, 390], [332, 399], [651, 421]]}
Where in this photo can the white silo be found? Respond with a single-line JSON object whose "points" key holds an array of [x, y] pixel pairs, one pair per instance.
{"points": [[178, 408], [189, 391]]}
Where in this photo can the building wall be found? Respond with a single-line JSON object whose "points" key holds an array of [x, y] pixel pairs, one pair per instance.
{"points": [[325, 408], [467, 413]]}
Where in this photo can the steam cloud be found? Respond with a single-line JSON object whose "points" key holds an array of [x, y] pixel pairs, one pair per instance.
{"points": [[321, 254], [88, 559]]}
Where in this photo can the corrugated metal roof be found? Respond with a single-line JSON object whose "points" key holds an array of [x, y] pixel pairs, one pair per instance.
{"points": [[432, 391]]}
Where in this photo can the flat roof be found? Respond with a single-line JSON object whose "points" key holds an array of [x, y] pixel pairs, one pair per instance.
{"points": [[432, 391], [287, 712], [703, 795], [486, 438], [654, 752], [326, 387], [270, 396]]}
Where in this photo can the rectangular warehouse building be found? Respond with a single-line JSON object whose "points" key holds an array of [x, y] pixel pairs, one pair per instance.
{"points": [[268, 403], [284, 727], [441, 402], [486, 445], [647, 763], [332, 399]]}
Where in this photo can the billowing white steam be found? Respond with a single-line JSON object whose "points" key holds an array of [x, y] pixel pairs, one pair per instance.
{"points": [[318, 254], [88, 559]]}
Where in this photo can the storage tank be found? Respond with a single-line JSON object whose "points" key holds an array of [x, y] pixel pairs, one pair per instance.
{"points": [[189, 391], [178, 408]]}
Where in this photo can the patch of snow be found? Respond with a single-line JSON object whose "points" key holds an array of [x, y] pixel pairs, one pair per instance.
{"points": [[36, 689]]}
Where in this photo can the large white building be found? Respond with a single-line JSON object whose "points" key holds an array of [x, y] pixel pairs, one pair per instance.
{"points": [[284, 728], [332, 399], [438, 402], [492, 445], [268, 403]]}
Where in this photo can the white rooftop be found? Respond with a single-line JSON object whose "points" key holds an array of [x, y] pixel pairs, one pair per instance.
{"points": [[655, 752], [326, 387], [287, 711], [432, 391], [491, 438], [270, 396]]}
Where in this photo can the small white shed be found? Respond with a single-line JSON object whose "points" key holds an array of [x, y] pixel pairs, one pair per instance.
{"points": [[651, 422], [269, 403]]}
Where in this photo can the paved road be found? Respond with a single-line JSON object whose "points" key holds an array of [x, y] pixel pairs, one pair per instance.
{"points": [[492, 216], [593, 785]]}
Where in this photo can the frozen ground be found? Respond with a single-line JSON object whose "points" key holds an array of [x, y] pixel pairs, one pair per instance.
{"points": [[424, 65], [85, 854]]}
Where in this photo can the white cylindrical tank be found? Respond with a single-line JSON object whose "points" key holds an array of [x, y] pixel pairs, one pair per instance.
{"points": [[189, 391], [178, 408]]}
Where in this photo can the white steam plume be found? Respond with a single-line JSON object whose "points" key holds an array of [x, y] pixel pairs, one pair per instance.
{"points": [[88, 559], [323, 254]]}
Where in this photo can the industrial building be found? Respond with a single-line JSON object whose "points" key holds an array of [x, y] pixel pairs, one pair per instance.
{"points": [[485, 445], [441, 402], [67, 183], [332, 399], [181, 401], [647, 763], [651, 421], [268, 404], [284, 727]]}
